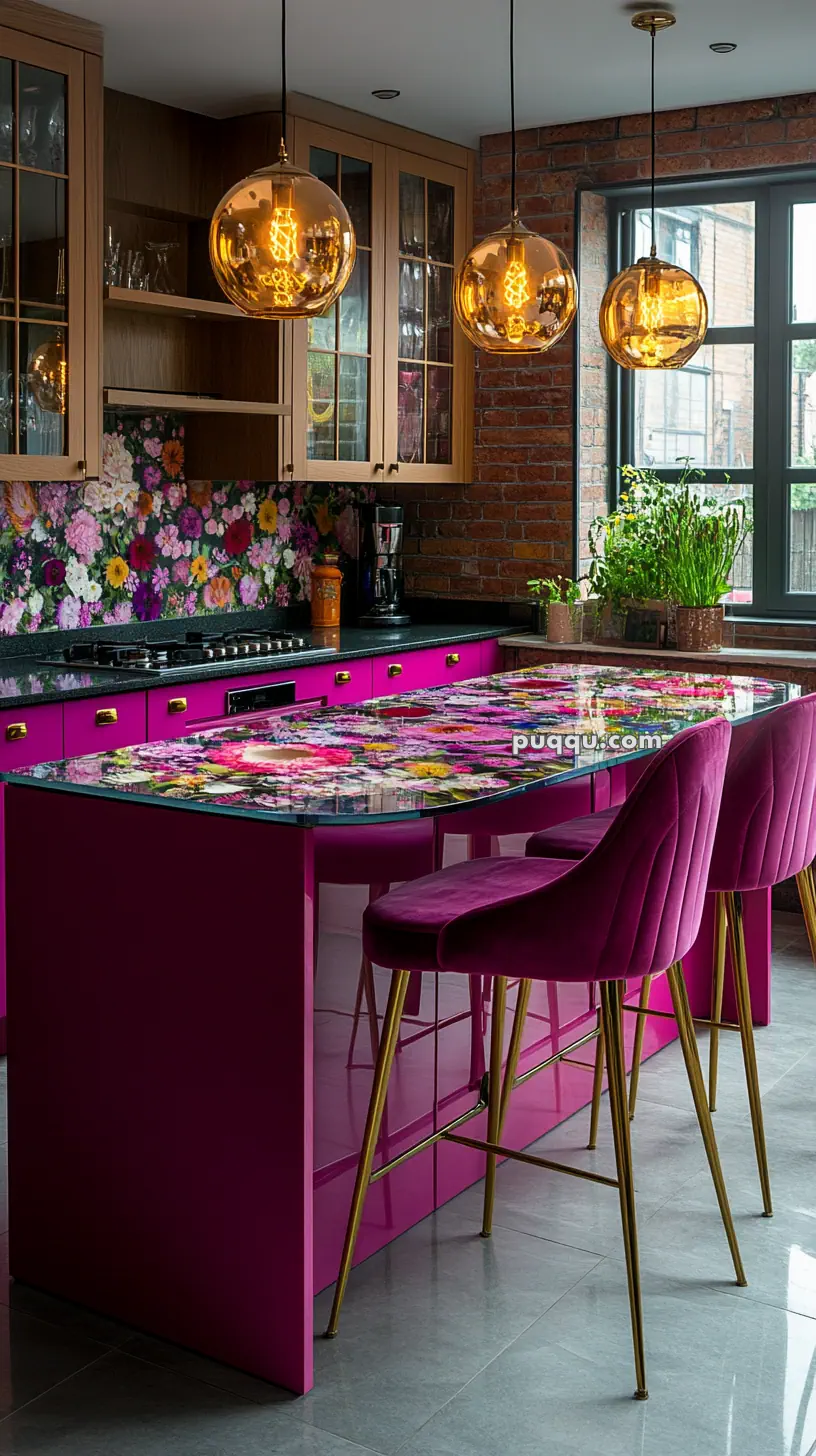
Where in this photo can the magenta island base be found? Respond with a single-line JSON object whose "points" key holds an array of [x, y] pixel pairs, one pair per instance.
{"points": [[184, 1113]]}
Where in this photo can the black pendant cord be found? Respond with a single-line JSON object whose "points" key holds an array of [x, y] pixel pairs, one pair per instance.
{"points": [[283, 74], [653, 32], [513, 204]]}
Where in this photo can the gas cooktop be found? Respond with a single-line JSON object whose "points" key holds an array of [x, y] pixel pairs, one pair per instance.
{"points": [[198, 649]]}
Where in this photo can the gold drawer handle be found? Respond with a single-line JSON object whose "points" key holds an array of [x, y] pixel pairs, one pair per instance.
{"points": [[16, 731], [394, 669], [104, 716], [177, 705], [452, 659], [342, 677]]}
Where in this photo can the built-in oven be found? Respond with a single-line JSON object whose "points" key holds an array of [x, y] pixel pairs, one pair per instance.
{"points": [[253, 705]]}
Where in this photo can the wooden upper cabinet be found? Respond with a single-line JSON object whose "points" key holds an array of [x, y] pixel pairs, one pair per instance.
{"points": [[382, 385], [50, 245]]}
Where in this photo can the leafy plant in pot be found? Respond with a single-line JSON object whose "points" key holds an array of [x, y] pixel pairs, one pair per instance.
{"points": [[564, 610], [627, 566], [702, 537]]}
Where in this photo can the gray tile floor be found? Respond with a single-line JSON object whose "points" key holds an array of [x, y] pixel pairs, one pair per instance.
{"points": [[452, 1346]]}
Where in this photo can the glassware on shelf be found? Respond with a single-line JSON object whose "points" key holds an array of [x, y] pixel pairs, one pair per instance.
{"points": [[113, 260], [162, 282], [6, 131], [28, 135], [56, 135], [136, 275]]}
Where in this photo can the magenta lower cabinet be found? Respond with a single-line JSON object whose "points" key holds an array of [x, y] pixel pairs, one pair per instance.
{"points": [[94, 725], [30, 735], [404, 672]]}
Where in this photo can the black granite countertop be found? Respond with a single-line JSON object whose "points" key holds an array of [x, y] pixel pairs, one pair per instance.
{"points": [[25, 681]]}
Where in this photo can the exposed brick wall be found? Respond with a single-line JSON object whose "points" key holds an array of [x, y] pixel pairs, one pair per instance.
{"points": [[515, 520]]}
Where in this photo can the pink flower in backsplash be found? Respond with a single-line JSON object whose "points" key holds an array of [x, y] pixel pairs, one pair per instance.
{"points": [[152, 476], [152, 447], [282, 597], [84, 536], [174, 495], [248, 590], [161, 578], [67, 613], [284, 530], [284, 506], [53, 500], [263, 551], [181, 570], [34, 623], [211, 528], [122, 612], [191, 605], [11, 616], [85, 614], [219, 497], [117, 461], [168, 542]]}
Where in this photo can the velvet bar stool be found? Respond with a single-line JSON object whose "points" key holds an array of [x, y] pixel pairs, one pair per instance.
{"points": [[766, 834], [645, 882]]}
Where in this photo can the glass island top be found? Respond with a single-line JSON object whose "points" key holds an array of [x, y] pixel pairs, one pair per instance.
{"points": [[419, 753]]}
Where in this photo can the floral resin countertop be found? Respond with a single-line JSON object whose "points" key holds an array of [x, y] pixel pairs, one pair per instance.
{"points": [[417, 753]]}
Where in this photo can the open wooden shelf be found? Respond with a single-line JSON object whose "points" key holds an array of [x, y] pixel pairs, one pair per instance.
{"points": [[187, 404], [173, 304]]}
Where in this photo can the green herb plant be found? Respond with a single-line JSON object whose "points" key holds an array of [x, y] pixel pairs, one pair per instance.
{"points": [[555, 589]]}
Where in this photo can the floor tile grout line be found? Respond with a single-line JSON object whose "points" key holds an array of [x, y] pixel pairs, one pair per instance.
{"points": [[508, 1346], [57, 1383]]}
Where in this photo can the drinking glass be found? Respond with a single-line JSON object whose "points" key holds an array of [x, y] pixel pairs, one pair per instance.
{"points": [[162, 282]]}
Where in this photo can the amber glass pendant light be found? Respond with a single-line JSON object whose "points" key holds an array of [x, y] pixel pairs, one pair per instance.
{"points": [[515, 292], [282, 244], [654, 315]]}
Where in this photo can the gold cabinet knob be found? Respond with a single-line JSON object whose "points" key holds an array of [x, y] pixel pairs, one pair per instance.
{"points": [[105, 716], [342, 677], [394, 669], [16, 731], [452, 659], [177, 705]]}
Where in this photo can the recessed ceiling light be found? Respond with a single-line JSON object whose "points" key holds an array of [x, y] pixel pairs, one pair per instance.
{"points": [[386, 94], [723, 47]]}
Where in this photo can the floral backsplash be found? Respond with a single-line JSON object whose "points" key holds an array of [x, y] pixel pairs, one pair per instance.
{"points": [[144, 543]]}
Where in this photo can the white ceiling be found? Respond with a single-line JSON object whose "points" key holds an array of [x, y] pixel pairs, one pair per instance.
{"points": [[576, 59]]}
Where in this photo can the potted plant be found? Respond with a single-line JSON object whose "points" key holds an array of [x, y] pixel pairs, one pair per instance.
{"points": [[565, 612], [702, 539]]}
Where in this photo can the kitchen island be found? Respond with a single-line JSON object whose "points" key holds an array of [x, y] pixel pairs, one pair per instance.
{"points": [[184, 1111]]}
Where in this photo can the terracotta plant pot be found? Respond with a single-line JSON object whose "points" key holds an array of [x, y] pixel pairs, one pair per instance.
{"points": [[564, 622], [699, 629]]}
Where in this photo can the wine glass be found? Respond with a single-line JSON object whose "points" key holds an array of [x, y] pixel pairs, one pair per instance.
{"points": [[162, 282], [28, 136], [56, 133]]}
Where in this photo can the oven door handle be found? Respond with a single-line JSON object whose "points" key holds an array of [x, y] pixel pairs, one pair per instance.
{"points": [[207, 725]]}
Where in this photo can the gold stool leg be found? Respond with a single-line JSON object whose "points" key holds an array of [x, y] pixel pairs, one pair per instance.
{"points": [[804, 883], [612, 1019], [637, 1051], [379, 1089], [597, 1086], [743, 996], [688, 1043], [494, 1097], [717, 985], [514, 1050]]}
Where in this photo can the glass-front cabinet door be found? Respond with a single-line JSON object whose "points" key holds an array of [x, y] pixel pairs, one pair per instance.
{"points": [[337, 396], [428, 362], [42, 259]]}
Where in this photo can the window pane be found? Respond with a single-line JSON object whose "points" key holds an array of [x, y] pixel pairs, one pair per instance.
{"points": [[355, 190], [6, 112], [439, 414], [705, 411], [410, 412], [440, 222], [353, 416], [322, 331], [803, 402], [42, 119], [320, 403], [412, 310], [42, 246], [440, 289], [742, 575], [802, 537], [324, 166], [354, 311], [715, 242], [412, 215], [43, 389], [803, 279]]}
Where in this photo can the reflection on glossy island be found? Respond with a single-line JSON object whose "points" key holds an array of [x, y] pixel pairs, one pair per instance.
{"points": [[420, 752]]}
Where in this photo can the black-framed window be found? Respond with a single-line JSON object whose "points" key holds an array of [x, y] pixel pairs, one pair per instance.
{"points": [[744, 409]]}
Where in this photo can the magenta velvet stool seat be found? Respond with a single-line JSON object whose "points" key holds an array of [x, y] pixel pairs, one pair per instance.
{"points": [[766, 833], [645, 882]]}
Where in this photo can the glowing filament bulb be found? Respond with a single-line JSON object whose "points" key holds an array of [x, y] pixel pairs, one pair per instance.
{"points": [[650, 309], [515, 328]]}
